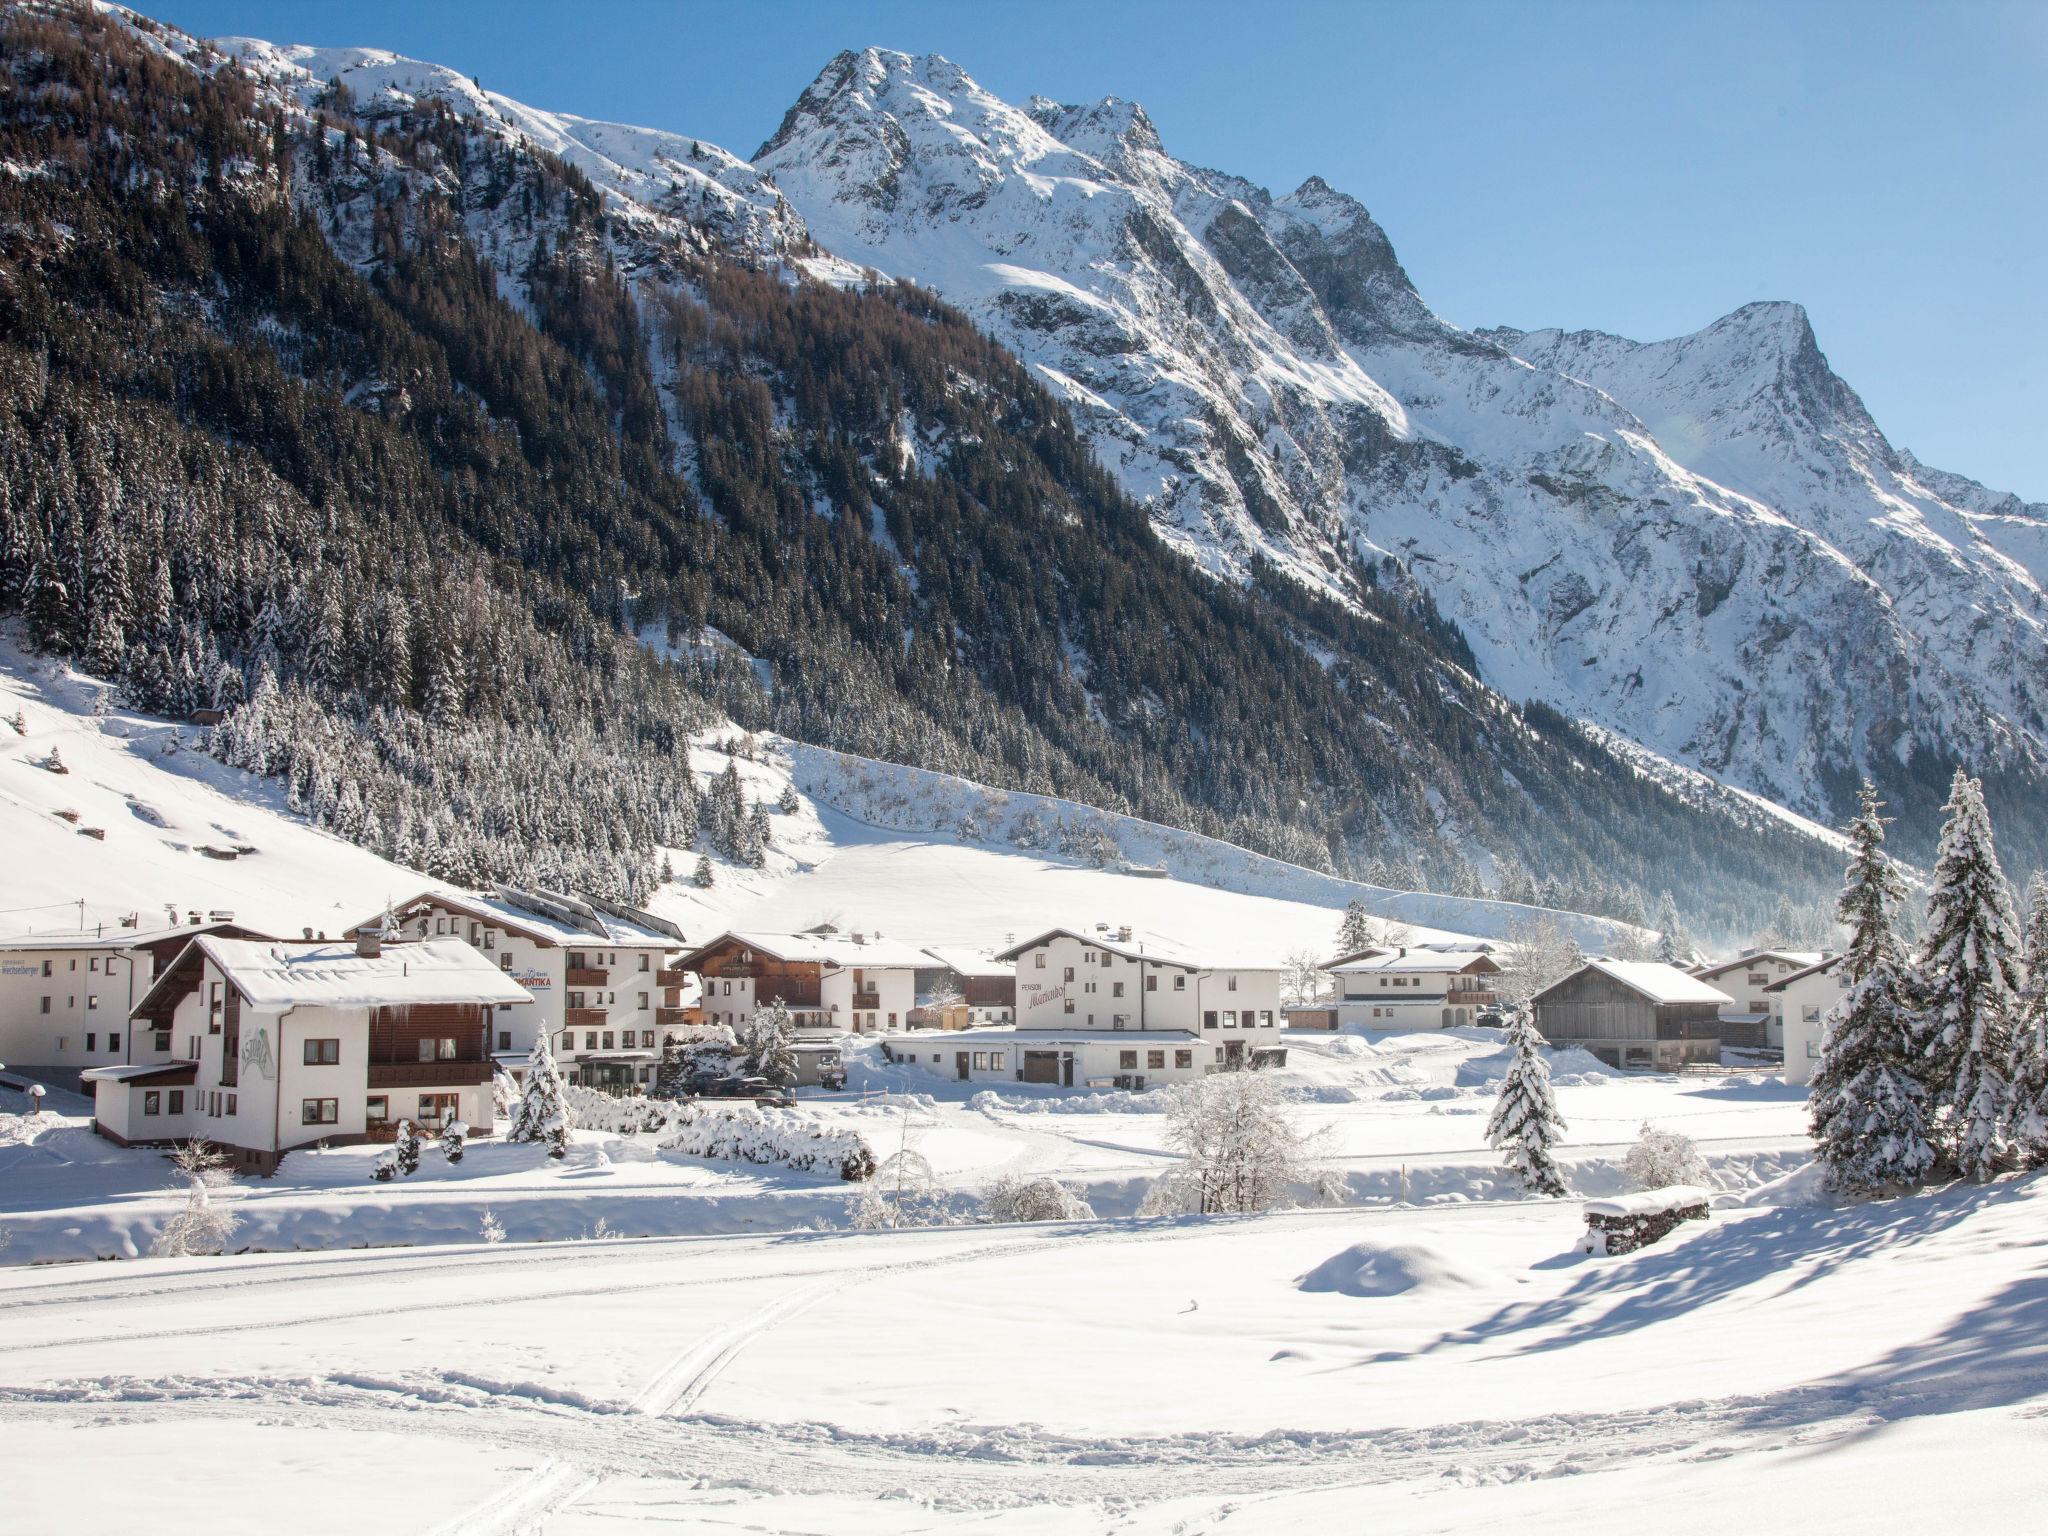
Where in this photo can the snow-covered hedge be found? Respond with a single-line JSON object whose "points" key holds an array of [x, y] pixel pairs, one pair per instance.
{"points": [[748, 1133]]}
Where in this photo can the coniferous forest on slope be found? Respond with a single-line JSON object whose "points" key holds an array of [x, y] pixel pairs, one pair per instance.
{"points": [[275, 431]]}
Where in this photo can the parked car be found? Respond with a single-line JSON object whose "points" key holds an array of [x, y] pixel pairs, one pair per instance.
{"points": [[758, 1089]]}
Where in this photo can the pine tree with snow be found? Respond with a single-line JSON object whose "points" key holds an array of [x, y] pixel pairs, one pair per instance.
{"points": [[703, 878], [1355, 931], [788, 804], [669, 1077], [543, 1110], [767, 1044], [2027, 1068], [454, 1136], [1867, 1105], [1526, 1125], [1970, 963], [1674, 944], [407, 1146]]}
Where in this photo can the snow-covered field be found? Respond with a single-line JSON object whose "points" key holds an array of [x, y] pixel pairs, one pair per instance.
{"points": [[1881, 1368]]}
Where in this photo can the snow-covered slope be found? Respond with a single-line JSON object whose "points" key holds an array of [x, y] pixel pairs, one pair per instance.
{"points": [[920, 856], [1705, 544]]}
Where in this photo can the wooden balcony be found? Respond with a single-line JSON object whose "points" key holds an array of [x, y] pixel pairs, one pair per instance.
{"points": [[588, 976], [583, 1018], [428, 1074], [867, 999], [675, 1015], [673, 977]]}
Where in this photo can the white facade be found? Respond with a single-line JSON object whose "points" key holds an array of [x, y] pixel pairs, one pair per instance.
{"points": [[64, 1002], [1804, 1001], [599, 983], [1415, 989], [1746, 980], [1074, 981], [1064, 1058]]}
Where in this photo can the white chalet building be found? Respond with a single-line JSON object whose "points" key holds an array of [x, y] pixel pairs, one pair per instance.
{"points": [[1803, 1000], [1101, 1008], [1416, 988], [601, 977], [65, 1000], [260, 1046], [1754, 1017]]}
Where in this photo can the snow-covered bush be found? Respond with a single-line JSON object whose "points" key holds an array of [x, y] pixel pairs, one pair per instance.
{"points": [[749, 1133], [201, 1227], [1661, 1158], [1240, 1148], [904, 1192], [490, 1229], [386, 1165], [1014, 1197], [453, 1135]]}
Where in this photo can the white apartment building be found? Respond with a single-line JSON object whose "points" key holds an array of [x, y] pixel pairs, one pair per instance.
{"points": [[1075, 981], [846, 983], [65, 1000], [1134, 1058], [1754, 1017], [601, 977], [287, 1044], [1804, 1000], [1416, 988]]}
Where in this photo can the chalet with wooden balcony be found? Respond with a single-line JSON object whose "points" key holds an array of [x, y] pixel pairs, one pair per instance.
{"points": [[855, 983], [1416, 988], [288, 1044], [602, 976], [1755, 1015]]}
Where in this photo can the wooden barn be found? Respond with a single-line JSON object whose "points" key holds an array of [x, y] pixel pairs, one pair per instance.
{"points": [[1634, 1014]]}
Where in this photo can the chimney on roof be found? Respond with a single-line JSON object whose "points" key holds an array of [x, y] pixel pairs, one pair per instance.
{"points": [[1123, 934], [1404, 953], [370, 941], [308, 933]]}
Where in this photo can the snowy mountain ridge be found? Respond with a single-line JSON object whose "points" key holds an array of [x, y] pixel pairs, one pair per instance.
{"points": [[1704, 543]]}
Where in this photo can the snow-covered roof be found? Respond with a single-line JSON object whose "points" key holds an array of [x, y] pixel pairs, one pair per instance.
{"points": [[870, 951], [1425, 961], [330, 974], [1140, 946], [1651, 1202], [966, 963], [118, 938], [137, 1071], [998, 1034], [1818, 968], [1797, 957], [564, 920], [1659, 983]]}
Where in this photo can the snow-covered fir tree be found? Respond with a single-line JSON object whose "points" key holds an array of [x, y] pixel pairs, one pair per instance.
{"points": [[1526, 1126], [669, 1079], [768, 1052], [543, 1112], [407, 1146], [1674, 944], [703, 878], [454, 1140], [1970, 965], [1355, 931], [1867, 1105], [2027, 1069]]}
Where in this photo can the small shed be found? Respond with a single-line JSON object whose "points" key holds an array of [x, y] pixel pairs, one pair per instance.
{"points": [[1634, 1014]]}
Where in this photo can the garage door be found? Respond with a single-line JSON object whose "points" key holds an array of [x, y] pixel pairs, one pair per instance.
{"points": [[1041, 1066]]}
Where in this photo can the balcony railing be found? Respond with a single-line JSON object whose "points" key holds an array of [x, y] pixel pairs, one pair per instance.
{"points": [[670, 978], [867, 999], [428, 1074], [673, 1015], [588, 976], [583, 1018]]}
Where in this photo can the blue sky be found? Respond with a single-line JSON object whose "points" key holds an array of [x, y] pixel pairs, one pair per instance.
{"points": [[1634, 168]]}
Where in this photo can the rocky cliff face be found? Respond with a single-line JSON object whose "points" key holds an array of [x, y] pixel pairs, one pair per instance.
{"points": [[1705, 544]]}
